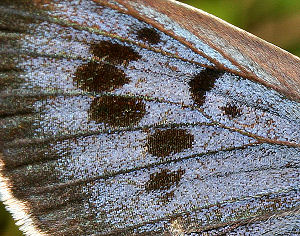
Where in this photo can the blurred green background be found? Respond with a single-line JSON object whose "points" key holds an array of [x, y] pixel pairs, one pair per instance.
{"points": [[277, 21]]}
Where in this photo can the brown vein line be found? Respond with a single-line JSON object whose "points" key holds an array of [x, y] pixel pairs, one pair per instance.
{"points": [[41, 190], [44, 140], [65, 23], [40, 142], [6, 29], [227, 174], [250, 220], [9, 76], [96, 94], [21, 112], [12, 35], [26, 52], [44, 209], [257, 137], [167, 218], [36, 93], [192, 107], [188, 212], [127, 171], [37, 192]]}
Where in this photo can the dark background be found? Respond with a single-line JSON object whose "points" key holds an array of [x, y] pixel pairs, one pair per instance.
{"points": [[277, 21]]}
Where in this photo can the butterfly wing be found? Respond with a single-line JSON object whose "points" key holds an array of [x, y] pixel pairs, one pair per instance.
{"points": [[111, 126], [249, 55]]}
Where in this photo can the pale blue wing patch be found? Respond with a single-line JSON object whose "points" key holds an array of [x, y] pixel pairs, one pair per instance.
{"points": [[221, 174], [181, 32], [252, 108], [90, 15], [115, 152]]}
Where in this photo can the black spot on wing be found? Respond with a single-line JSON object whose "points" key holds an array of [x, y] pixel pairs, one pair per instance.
{"points": [[99, 77], [103, 75], [164, 179], [165, 142], [117, 111], [114, 52], [202, 83], [148, 35], [232, 110]]}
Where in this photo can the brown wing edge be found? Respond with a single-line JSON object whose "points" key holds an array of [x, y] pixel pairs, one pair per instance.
{"points": [[18, 208], [257, 59]]}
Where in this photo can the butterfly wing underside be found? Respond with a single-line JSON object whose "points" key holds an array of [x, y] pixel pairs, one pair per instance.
{"points": [[112, 125]]}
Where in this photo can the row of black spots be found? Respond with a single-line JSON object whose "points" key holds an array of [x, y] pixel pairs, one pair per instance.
{"points": [[117, 111], [163, 143], [102, 74], [163, 179], [170, 141], [203, 83]]}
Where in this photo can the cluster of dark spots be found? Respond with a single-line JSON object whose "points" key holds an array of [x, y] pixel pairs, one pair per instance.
{"points": [[232, 110], [99, 77], [148, 35], [164, 179], [113, 52], [104, 74], [203, 83], [117, 111], [165, 142]]}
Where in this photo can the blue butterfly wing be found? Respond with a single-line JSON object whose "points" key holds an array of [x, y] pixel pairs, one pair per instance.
{"points": [[111, 127]]}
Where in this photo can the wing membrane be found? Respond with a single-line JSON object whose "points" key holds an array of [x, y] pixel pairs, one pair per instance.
{"points": [[109, 126]]}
